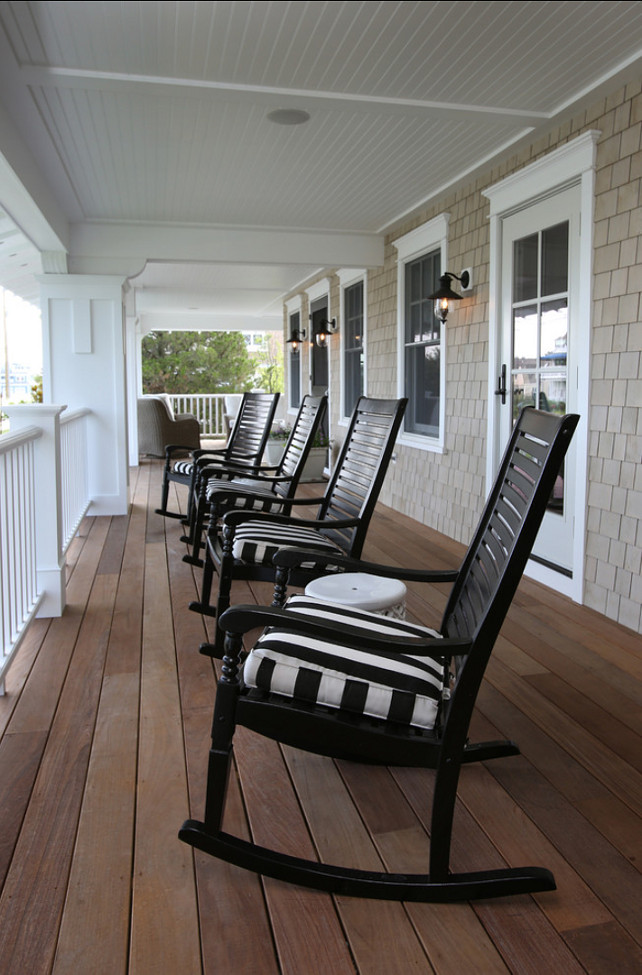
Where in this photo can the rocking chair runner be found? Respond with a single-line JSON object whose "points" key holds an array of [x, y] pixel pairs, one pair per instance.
{"points": [[244, 448], [361, 687], [248, 541], [218, 490]]}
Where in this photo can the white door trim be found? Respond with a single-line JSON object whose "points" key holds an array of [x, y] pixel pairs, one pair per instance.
{"points": [[572, 163]]}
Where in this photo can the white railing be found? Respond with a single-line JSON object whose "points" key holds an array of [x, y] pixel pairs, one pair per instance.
{"points": [[20, 597], [74, 474], [208, 408], [43, 498]]}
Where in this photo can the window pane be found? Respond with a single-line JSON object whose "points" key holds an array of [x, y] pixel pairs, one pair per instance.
{"points": [[525, 268], [295, 380], [554, 337], [422, 389], [353, 373], [352, 346], [555, 259]]}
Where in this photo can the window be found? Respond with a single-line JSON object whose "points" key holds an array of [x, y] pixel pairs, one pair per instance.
{"points": [[422, 259], [352, 338], [294, 364]]}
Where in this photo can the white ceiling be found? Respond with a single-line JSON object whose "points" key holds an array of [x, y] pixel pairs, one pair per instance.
{"points": [[134, 136]]}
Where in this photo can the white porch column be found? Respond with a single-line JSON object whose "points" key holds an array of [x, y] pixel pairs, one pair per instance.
{"points": [[134, 384], [84, 366], [50, 563]]}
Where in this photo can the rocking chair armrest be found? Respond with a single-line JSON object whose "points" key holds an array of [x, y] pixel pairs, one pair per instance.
{"points": [[210, 451], [172, 448], [292, 558], [241, 618], [235, 518]]}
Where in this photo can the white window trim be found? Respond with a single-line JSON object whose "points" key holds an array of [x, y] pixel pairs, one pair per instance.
{"points": [[572, 163], [292, 306], [347, 277], [428, 237]]}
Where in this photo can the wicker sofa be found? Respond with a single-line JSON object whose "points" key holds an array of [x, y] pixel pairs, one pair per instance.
{"points": [[157, 427]]}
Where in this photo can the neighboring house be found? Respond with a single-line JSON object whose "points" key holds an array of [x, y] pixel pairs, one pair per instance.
{"points": [[572, 203]]}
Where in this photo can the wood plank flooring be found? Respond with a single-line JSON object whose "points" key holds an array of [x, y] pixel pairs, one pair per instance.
{"points": [[104, 734]]}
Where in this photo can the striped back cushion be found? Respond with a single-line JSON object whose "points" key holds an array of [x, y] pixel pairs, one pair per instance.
{"points": [[257, 542], [392, 686]]}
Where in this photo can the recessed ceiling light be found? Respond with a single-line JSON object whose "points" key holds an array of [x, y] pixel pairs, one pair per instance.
{"points": [[288, 116]]}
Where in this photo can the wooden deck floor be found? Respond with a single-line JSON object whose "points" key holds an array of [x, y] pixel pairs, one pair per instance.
{"points": [[105, 732]]}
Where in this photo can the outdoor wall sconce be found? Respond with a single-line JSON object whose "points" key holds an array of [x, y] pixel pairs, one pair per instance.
{"points": [[444, 297], [326, 327], [295, 339]]}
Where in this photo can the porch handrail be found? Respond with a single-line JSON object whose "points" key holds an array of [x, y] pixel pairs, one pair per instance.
{"points": [[208, 408], [44, 494], [74, 472], [20, 597]]}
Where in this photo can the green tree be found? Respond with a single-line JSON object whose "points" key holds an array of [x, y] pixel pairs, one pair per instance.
{"points": [[196, 362], [269, 374]]}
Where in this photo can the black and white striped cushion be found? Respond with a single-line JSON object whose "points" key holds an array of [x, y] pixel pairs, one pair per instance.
{"points": [[258, 542], [393, 686], [184, 467], [256, 496]]}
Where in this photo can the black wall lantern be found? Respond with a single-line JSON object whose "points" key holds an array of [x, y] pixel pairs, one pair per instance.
{"points": [[325, 327], [444, 296], [296, 337]]}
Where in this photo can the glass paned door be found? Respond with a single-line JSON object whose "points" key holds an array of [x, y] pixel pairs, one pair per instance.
{"points": [[539, 261]]}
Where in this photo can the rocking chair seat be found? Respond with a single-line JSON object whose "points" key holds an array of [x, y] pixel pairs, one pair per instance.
{"points": [[243, 492], [257, 542], [392, 686]]}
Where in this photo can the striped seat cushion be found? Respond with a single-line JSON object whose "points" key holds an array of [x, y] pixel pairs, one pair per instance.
{"points": [[184, 467], [257, 542], [395, 686], [255, 497]]}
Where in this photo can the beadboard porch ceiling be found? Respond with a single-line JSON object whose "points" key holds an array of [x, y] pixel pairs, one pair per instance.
{"points": [[139, 137]]}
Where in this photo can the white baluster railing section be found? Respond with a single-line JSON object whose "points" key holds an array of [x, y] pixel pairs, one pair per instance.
{"points": [[208, 408], [43, 498], [74, 475], [20, 598]]}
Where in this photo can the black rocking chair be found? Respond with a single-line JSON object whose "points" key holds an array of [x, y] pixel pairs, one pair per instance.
{"points": [[356, 686], [268, 488], [245, 547], [244, 448]]}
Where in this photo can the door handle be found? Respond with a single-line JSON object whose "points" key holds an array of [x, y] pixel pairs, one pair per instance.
{"points": [[501, 387]]}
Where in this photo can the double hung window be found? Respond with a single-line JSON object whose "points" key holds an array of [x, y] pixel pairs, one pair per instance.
{"points": [[422, 259], [294, 364], [353, 341]]}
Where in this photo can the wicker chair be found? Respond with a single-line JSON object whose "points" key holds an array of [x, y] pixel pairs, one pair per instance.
{"points": [[158, 426]]}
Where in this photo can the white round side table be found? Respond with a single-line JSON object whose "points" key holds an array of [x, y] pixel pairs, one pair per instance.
{"points": [[387, 597]]}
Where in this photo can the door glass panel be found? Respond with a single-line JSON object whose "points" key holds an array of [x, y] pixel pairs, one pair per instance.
{"points": [[525, 268], [555, 259], [540, 328], [525, 337], [524, 391]]}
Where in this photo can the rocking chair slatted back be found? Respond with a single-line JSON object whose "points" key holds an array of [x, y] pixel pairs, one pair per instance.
{"points": [[500, 549], [251, 429], [358, 475], [299, 444]]}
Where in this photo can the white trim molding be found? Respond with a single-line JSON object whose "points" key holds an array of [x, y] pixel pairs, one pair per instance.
{"points": [[571, 164]]}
